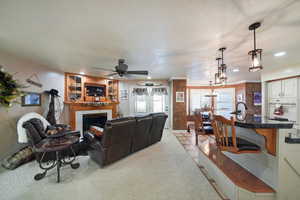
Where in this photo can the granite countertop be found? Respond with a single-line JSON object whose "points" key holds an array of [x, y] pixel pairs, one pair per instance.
{"points": [[255, 121]]}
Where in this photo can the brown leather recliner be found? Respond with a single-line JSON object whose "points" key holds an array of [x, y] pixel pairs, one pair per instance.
{"points": [[116, 141], [157, 128], [124, 136], [36, 132], [141, 137]]}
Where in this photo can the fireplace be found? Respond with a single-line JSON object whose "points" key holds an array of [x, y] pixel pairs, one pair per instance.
{"points": [[92, 115], [97, 119]]}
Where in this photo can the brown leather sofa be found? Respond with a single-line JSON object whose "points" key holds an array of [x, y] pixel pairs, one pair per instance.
{"points": [[125, 136]]}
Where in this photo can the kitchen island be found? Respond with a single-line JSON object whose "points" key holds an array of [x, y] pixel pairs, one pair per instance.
{"points": [[278, 163], [265, 127]]}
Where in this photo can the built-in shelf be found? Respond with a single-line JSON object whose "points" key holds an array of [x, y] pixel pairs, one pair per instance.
{"points": [[77, 91]]}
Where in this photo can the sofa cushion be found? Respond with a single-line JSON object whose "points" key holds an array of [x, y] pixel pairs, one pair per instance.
{"points": [[141, 137], [243, 145], [38, 124]]}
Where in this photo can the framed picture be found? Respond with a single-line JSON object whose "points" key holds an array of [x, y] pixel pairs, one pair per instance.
{"points": [[240, 97], [257, 98], [31, 99], [124, 94], [179, 97]]}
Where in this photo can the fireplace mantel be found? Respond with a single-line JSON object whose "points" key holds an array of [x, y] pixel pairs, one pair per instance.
{"points": [[74, 107]]}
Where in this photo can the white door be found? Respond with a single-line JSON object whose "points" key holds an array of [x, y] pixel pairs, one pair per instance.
{"points": [[289, 88], [274, 90], [144, 104]]}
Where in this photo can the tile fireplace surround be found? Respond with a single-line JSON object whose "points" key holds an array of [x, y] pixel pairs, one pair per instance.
{"points": [[79, 117]]}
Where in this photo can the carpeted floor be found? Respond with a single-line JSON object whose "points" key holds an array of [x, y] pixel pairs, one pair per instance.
{"points": [[162, 171]]}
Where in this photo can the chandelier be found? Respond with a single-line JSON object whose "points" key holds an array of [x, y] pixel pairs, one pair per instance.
{"points": [[255, 54], [223, 67]]}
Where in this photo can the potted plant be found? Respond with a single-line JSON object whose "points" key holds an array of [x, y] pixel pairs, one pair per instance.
{"points": [[10, 89]]}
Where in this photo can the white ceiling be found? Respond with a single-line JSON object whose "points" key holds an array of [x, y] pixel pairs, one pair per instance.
{"points": [[170, 38]]}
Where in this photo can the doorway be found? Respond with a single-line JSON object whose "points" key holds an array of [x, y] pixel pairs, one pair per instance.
{"points": [[151, 101]]}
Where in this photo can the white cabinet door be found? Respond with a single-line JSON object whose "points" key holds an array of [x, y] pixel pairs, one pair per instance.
{"points": [[274, 89], [289, 88]]}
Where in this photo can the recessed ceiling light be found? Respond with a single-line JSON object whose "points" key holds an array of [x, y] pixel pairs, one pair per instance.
{"points": [[278, 54], [111, 77], [236, 70], [149, 77], [82, 73]]}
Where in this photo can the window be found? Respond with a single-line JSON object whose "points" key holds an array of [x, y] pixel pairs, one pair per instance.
{"points": [[225, 101], [146, 101], [198, 99], [140, 103]]}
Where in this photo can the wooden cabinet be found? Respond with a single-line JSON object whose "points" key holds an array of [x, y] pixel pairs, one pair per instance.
{"points": [[289, 88], [282, 89], [83, 88], [113, 90], [73, 88], [274, 89]]}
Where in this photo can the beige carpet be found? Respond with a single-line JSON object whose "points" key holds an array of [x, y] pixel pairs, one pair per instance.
{"points": [[161, 171]]}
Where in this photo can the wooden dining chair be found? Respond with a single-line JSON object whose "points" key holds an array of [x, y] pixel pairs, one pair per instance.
{"points": [[199, 129], [228, 141], [189, 122]]}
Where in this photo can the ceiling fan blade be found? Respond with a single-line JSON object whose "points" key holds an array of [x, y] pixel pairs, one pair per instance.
{"points": [[102, 69], [138, 72], [112, 74]]}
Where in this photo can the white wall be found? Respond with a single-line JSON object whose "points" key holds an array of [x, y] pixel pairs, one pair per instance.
{"points": [[23, 69], [285, 71]]}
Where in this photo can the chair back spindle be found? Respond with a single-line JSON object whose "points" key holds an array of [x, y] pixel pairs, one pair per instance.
{"points": [[223, 138], [229, 141]]}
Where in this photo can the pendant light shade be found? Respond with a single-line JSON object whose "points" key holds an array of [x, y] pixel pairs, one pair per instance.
{"points": [[217, 75], [211, 94], [255, 54]]}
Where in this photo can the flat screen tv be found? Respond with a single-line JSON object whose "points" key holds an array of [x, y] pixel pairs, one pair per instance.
{"points": [[95, 91]]}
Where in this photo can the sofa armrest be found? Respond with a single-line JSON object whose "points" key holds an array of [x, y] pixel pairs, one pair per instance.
{"points": [[64, 126], [96, 151], [64, 133]]}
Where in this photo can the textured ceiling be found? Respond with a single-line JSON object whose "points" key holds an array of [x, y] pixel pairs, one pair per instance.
{"points": [[170, 38]]}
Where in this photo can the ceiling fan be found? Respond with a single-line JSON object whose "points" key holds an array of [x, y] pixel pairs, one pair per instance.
{"points": [[122, 70]]}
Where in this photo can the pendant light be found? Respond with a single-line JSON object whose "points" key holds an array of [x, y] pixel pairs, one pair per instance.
{"points": [[217, 75], [223, 67], [255, 54]]}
